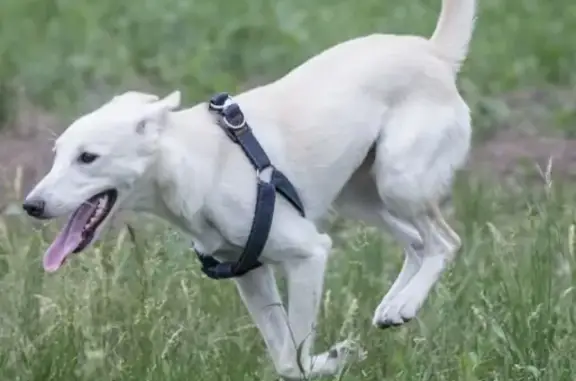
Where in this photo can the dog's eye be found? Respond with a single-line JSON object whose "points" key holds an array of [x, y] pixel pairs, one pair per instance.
{"points": [[87, 157]]}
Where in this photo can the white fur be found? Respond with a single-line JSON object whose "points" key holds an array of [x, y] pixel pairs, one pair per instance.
{"points": [[374, 126]]}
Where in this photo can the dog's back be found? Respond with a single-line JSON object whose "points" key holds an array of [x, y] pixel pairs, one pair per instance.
{"points": [[330, 110]]}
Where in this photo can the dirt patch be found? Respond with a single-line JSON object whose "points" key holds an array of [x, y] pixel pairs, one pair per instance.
{"points": [[514, 155], [535, 130]]}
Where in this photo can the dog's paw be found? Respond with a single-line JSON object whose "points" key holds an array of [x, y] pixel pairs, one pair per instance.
{"points": [[347, 350], [339, 355], [401, 309]]}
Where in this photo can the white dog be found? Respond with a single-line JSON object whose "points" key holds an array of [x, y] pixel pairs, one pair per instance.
{"points": [[374, 127]]}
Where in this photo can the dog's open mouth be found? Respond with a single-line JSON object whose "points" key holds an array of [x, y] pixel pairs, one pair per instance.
{"points": [[80, 229]]}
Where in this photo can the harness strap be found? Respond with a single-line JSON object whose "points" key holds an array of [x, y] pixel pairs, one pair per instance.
{"points": [[232, 121], [261, 224]]}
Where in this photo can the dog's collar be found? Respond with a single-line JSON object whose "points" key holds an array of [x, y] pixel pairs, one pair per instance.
{"points": [[231, 119]]}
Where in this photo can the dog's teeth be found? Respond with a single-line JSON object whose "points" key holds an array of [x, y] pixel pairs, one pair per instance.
{"points": [[101, 205], [98, 212], [102, 202]]}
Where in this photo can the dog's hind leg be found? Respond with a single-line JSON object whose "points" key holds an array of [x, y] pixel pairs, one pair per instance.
{"points": [[402, 304], [413, 171], [359, 200], [436, 214], [406, 233], [413, 247]]}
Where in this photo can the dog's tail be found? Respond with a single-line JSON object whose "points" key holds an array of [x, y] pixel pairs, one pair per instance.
{"points": [[454, 30]]}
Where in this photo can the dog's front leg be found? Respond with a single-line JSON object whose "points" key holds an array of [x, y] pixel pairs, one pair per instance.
{"points": [[260, 294], [288, 338], [302, 253], [304, 271]]}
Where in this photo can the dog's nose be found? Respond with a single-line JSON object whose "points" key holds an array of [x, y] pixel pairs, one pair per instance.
{"points": [[34, 208]]}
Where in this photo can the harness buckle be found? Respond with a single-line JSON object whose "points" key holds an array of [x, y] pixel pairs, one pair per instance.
{"points": [[218, 101], [233, 117], [233, 121]]}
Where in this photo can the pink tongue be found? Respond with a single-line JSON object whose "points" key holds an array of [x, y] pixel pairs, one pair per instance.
{"points": [[68, 239]]}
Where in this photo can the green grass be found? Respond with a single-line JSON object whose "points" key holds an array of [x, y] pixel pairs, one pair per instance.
{"points": [[143, 312], [125, 311], [72, 54]]}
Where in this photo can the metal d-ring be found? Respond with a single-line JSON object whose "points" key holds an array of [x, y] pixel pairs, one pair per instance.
{"points": [[237, 113], [263, 171]]}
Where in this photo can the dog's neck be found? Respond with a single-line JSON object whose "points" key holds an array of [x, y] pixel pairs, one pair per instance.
{"points": [[190, 144]]}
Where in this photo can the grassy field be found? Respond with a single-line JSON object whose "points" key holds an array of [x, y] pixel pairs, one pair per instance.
{"points": [[140, 310]]}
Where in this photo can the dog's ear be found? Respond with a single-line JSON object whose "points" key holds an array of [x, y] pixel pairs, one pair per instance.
{"points": [[135, 96], [155, 115], [170, 101]]}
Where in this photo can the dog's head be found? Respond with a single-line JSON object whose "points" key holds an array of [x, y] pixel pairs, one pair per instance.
{"points": [[98, 160]]}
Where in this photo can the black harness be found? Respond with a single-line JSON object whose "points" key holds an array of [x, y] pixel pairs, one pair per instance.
{"points": [[231, 119]]}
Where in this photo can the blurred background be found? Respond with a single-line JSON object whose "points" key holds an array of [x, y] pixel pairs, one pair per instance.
{"points": [[61, 58], [139, 310]]}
